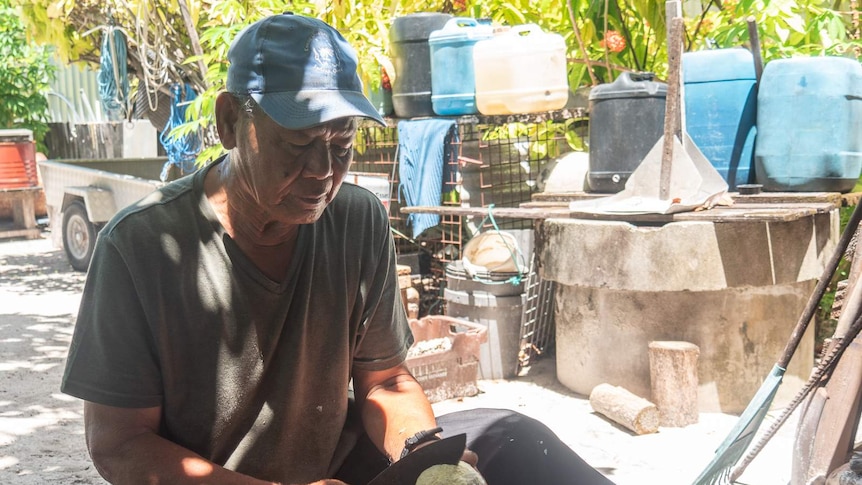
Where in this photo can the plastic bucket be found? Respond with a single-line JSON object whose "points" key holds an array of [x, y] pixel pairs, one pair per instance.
{"points": [[17, 159]]}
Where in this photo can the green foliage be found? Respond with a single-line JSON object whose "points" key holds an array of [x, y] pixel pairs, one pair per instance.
{"points": [[824, 323], [25, 77], [786, 28], [603, 37], [544, 137]]}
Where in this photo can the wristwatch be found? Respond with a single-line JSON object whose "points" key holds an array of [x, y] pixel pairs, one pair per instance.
{"points": [[419, 438]]}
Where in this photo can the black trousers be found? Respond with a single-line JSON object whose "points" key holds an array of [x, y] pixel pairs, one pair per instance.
{"points": [[513, 449]]}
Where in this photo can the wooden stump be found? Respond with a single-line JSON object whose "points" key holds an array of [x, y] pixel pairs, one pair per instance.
{"points": [[625, 408], [673, 379]]}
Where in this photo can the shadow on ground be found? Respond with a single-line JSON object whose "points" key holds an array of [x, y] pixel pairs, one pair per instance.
{"points": [[39, 273], [41, 429]]}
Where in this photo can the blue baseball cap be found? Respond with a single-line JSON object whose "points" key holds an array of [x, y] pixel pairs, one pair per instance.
{"points": [[299, 70]]}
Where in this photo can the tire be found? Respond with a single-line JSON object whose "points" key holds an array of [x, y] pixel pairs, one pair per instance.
{"points": [[79, 236]]}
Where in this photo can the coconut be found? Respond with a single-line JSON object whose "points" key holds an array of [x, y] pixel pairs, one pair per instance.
{"points": [[461, 474]]}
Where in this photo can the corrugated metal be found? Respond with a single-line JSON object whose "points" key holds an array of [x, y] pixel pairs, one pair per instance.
{"points": [[74, 95]]}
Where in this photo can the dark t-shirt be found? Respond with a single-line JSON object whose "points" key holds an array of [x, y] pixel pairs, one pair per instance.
{"points": [[250, 373]]}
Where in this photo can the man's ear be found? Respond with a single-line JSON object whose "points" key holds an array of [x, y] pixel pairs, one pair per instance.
{"points": [[227, 112]]}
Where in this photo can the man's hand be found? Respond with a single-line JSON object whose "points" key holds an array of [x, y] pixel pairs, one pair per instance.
{"points": [[470, 457]]}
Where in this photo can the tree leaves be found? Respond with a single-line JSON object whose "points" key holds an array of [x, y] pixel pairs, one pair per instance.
{"points": [[25, 76]]}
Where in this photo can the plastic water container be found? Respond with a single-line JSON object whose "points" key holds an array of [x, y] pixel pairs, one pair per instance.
{"points": [[626, 121], [721, 109], [453, 82], [522, 70], [411, 87], [809, 125]]}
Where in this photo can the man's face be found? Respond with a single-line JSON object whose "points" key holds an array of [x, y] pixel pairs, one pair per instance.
{"points": [[292, 174]]}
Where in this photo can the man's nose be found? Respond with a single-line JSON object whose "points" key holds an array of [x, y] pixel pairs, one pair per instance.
{"points": [[319, 162]]}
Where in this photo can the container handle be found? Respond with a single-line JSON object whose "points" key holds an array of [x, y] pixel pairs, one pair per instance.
{"points": [[641, 76], [460, 22], [525, 29]]}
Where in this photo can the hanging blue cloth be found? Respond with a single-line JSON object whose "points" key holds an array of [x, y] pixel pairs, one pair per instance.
{"points": [[182, 150], [113, 74], [427, 157]]}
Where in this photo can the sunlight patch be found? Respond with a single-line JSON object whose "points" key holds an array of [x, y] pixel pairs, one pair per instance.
{"points": [[14, 365], [171, 248], [7, 461], [153, 198]]}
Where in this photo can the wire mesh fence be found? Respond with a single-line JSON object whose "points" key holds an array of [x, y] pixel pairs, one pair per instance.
{"points": [[500, 163]]}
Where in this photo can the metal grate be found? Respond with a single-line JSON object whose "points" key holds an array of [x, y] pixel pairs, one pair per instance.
{"points": [[537, 331]]}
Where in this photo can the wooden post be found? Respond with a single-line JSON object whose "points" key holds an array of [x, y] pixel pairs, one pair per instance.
{"points": [[625, 408], [673, 380]]}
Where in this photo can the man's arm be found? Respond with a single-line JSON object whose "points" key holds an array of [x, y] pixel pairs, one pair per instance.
{"points": [[393, 407], [126, 449]]}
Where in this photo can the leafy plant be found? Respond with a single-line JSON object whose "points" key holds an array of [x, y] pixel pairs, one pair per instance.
{"points": [[785, 28], [26, 73], [603, 37]]}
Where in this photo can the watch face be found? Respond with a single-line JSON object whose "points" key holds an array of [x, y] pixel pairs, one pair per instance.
{"points": [[446, 451]]}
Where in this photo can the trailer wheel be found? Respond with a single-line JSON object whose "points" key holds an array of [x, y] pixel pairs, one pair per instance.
{"points": [[79, 236]]}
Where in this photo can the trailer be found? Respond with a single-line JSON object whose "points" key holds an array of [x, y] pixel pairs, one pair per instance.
{"points": [[82, 195]]}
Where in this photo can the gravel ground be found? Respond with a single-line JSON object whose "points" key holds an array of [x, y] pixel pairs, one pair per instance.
{"points": [[41, 430]]}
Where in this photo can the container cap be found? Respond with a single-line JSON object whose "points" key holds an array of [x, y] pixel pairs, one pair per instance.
{"points": [[630, 85], [716, 65], [416, 26], [461, 29]]}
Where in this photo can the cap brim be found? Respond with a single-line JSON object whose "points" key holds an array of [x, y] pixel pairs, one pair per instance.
{"points": [[296, 110]]}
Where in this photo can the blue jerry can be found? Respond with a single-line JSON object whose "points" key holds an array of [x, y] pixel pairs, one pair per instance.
{"points": [[809, 125], [721, 109]]}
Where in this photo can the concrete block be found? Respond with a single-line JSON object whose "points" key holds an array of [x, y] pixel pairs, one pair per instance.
{"points": [[735, 290]]}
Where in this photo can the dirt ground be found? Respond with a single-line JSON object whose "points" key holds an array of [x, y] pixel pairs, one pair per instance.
{"points": [[41, 429], [41, 432]]}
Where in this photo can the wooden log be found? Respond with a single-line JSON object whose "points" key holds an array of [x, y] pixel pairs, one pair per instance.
{"points": [[625, 408], [673, 381]]}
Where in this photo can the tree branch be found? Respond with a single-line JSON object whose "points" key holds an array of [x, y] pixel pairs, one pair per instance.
{"points": [[581, 43]]}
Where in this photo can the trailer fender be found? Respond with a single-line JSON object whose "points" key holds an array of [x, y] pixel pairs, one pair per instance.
{"points": [[98, 202]]}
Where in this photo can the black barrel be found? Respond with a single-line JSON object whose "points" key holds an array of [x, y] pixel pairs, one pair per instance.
{"points": [[411, 55], [626, 120]]}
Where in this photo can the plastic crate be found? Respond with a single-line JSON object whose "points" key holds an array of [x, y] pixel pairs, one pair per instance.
{"points": [[444, 358]]}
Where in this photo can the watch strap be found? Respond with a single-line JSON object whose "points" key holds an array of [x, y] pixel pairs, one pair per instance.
{"points": [[419, 438]]}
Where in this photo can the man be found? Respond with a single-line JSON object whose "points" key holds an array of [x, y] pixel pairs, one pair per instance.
{"points": [[226, 316]]}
